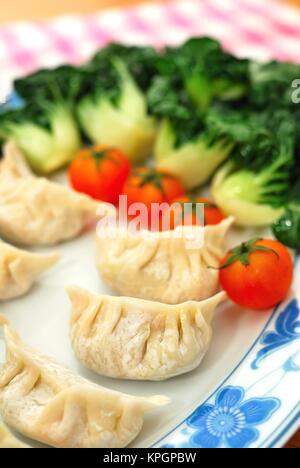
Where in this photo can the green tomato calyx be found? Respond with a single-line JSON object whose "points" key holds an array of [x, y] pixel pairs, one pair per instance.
{"points": [[242, 253]]}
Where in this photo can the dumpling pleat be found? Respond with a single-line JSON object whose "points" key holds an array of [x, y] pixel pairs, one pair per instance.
{"points": [[163, 266], [36, 211], [47, 402], [148, 340], [20, 269]]}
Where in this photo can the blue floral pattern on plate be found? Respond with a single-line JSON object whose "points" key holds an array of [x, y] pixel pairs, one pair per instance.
{"points": [[236, 416], [232, 421], [287, 329]]}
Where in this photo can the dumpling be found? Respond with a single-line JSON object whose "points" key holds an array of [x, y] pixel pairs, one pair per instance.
{"points": [[161, 267], [8, 441], [36, 211], [135, 339], [20, 269], [45, 401]]}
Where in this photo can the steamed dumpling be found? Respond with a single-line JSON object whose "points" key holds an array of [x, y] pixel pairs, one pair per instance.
{"points": [[45, 401], [135, 339], [8, 441], [36, 211], [20, 269], [160, 267]]}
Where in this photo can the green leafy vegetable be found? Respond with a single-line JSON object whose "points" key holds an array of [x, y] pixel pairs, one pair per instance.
{"points": [[61, 84], [141, 62], [194, 162], [191, 144], [45, 128], [206, 71], [113, 109], [287, 228], [272, 86], [193, 139], [254, 186]]}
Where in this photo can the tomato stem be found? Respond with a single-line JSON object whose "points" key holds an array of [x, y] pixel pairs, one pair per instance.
{"points": [[99, 155], [151, 177], [242, 253]]}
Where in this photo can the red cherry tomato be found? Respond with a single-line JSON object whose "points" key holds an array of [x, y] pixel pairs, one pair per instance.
{"points": [[100, 172], [148, 186], [212, 214], [258, 274]]}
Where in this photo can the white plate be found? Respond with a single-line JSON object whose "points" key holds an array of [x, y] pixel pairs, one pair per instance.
{"points": [[245, 393]]}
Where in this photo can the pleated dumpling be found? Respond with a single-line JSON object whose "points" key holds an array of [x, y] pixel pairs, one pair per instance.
{"points": [[45, 401], [36, 211], [136, 339], [20, 269], [8, 441], [164, 267]]}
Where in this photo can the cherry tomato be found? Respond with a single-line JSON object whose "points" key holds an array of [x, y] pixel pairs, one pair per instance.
{"points": [[148, 186], [212, 214], [258, 274], [100, 172]]}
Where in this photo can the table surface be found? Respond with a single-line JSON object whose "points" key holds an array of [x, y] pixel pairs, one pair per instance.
{"points": [[37, 9]]}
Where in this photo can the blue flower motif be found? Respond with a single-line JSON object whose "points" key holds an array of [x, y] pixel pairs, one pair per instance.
{"points": [[287, 329], [231, 422]]}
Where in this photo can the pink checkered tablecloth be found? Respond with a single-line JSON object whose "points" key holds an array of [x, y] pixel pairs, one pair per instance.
{"points": [[260, 29]]}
